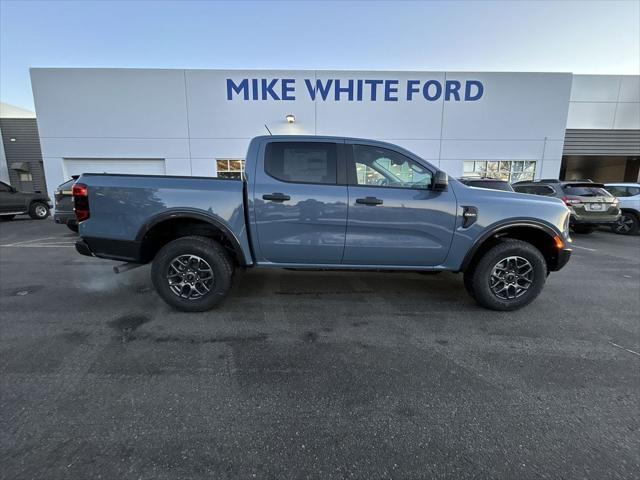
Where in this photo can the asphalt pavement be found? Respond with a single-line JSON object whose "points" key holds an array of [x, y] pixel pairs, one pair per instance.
{"points": [[315, 374]]}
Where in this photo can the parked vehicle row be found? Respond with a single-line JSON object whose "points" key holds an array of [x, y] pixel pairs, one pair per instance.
{"points": [[616, 205]]}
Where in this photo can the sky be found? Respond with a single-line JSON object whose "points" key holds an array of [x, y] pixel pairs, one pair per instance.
{"points": [[553, 36]]}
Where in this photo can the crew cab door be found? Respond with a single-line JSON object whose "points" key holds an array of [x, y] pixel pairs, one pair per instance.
{"points": [[300, 202], [394, 217]]}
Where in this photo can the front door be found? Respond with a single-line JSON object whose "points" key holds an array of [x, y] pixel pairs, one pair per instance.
{"points": [[395, 218], [300, 207], [10, 200]]}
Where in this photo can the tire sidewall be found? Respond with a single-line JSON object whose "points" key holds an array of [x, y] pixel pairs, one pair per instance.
{"points": [[208, 250], [634, 227], [482, 273], [34, 215]]}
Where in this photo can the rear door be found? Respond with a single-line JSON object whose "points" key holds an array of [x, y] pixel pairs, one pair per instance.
{"points": [[394, 216], [300, 202]]}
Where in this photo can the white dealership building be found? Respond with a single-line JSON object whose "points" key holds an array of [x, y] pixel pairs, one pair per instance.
{"points": [[199, 122]]}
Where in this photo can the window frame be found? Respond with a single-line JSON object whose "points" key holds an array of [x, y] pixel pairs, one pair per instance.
{"points": [[341, 178], [352, 174]]}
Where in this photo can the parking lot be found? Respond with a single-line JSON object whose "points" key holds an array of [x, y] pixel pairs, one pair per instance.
{"points": [[315, 374]]}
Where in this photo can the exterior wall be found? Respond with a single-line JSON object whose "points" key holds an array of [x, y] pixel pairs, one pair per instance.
{"points": [[186, 118], [26, 150], [605, 102]]}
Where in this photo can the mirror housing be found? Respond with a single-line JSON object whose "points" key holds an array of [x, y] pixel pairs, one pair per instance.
{"points": [[440, 181]]}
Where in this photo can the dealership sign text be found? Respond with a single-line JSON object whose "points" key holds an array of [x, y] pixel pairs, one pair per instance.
{"points": [[354, 89]]}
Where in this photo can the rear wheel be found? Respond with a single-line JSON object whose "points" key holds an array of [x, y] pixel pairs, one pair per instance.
{"points": [[192, 274], [627, 224], [7, 217], [39, 211], [582, 229], [509, 276]]}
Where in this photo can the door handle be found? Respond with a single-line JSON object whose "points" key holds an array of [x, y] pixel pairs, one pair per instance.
{"points": [[276, 197], [369, 201]]}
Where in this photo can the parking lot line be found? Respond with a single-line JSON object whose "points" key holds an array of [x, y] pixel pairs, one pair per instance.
{"points": [[584, 248]]}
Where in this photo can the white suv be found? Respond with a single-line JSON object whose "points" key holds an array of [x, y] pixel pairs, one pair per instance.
{"points": [[629, 196]]}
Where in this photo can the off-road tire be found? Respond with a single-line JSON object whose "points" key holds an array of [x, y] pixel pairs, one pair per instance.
{"points": [[39, 211], [207, 249], [477, 280]]}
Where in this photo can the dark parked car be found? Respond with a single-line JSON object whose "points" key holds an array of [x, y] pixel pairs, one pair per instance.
{"points": [[13, 202], [491, 183], [590, 204], [64, 205]]}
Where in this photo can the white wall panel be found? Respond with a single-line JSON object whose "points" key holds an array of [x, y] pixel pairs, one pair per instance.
{"points": [[518, 106], [595, 88], [627, 116], [110, 103], [115, 147], [591, 115], [492, 149], [630, 88], [219, 148]]}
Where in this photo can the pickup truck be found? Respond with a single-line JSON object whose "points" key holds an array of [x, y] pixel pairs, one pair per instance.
{"points": [[311, 202]]}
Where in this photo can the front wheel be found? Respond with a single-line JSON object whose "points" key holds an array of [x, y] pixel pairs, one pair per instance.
{"points": [[509, 276], [627, 224], [192, 274], [39, 211]]}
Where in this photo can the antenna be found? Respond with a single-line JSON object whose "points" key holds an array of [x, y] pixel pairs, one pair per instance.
{"points": [[265, 126]]}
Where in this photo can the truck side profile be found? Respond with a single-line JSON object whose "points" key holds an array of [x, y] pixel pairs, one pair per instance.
{"points": [[326, 203]]}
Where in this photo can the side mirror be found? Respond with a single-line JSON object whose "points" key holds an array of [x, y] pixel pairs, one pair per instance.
{"points": [[440, 181]]}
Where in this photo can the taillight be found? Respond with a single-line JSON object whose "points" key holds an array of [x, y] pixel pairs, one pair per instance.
{"points": [[570, 201], [80, 201]]}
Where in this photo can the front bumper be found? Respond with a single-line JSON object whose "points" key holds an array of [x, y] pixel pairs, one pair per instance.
{"points": [[562, 258]]}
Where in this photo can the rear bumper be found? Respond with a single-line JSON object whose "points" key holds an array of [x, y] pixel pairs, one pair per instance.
{"points": [[594, 220], [64, 217], [127, 251]]}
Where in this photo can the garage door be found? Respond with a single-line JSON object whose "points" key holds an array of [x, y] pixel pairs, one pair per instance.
{"points": [[77, 166]]}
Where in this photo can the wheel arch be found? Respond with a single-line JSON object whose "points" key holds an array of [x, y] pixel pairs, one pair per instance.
{"points": [[540, 235], [171, 225]]}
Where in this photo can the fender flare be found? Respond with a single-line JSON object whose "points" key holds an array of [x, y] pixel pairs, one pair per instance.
{"points": [[497, 228], [193, 215]]}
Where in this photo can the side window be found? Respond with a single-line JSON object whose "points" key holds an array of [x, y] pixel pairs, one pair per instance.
{"points": [[543, 190], [633, 191], [618, 191], [375, 166], [302, 162], [522, 188]]}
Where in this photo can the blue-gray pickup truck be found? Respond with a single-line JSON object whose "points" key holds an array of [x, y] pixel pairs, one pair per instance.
{"points": [[309, 202]]}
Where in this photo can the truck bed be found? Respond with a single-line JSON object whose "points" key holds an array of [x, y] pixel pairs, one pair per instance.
{"points": [[126, 206]]}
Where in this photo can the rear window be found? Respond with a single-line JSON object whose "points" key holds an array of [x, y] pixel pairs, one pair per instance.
{"points": [[585, 191], [302, 162]]}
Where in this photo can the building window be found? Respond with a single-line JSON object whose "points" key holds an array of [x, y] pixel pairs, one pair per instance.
{"points": [[511, 171], [26, 177], [230, 168]]}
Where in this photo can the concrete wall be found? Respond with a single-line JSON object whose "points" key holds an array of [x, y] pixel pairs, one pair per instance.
{"points": [[186, 118]]}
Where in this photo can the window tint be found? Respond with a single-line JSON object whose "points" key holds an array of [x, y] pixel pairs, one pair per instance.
{"points": [[380, 167], [620, 191], [585, 191], [505, 186], [633, 191], [302, 162]]}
